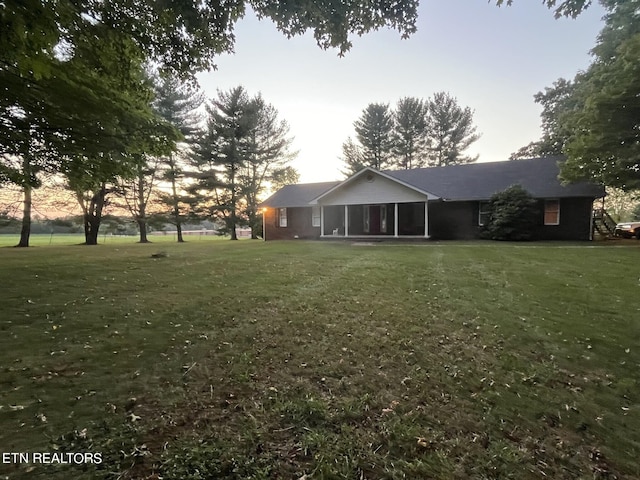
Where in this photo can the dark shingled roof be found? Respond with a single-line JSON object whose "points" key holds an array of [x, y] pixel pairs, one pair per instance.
{"points": [[479, 181], [474, 181], [297, 195]]}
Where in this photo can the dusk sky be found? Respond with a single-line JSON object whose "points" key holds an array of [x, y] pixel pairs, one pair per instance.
{"points": [[492, 59]]}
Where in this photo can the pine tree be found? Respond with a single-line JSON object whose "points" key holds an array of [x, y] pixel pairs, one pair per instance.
{"points": [[374, 131], [177, 104], [450, 131], [268, 155], [352, 157], [223, 150], [409, 134]]}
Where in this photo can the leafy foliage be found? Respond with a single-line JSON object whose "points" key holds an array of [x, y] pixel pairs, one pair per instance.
{"points": [[554, 101], [604, 143], [567, 8], [513, 215], [594, 119]]}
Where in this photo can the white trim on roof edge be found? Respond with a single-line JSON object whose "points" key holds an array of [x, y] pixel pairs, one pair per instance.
{"points": [[430, 196]]}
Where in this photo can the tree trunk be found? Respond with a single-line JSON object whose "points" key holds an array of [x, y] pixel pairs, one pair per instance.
{"points": [[91, 229], [176, 206], [142, 225], [25, 232], [93, 216], [234, 219], [142, 210], [179, 229]]}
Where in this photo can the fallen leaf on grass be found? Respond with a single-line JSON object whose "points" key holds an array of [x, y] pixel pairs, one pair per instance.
{"points": [[133, 417]]}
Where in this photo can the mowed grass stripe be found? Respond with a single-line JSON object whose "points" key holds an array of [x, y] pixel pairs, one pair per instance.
{"points": [[335, 361]]}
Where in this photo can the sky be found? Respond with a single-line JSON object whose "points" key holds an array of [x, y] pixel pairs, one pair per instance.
{"points": [[492, 59]]}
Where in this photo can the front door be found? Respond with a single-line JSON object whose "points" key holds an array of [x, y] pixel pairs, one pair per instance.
{"points": [[375, 219]]}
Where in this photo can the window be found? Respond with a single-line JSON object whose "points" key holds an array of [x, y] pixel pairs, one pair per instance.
{"points": [[282, 217], [484, 211], [552, 212], [315, 216]]}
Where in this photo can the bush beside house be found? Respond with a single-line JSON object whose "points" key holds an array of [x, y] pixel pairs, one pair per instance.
{"points": [[514, 215]]}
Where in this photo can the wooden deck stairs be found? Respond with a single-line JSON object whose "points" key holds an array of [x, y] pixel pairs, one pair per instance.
{"points": [[603, 225]]}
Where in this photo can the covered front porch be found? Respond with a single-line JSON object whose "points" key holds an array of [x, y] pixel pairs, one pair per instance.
{"points": [[375, 220]]}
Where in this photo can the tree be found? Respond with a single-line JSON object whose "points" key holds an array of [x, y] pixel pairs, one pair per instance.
{"points": [[284, 176], [604, 139], [450, 131], [95, 175], [177, 104], [513, 215], [74, 103], [594, 119], [352, 157], [245, 146], [568, 8], [621, 204], [24, 166], [410, 130], [554, 101], [136, 192], [374, 131], [109, 99], [268, 150], [90, 182], [225, 149]]}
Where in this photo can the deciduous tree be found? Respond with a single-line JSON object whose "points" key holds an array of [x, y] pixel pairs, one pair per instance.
{"points": [[554, 100], [595, 119]]}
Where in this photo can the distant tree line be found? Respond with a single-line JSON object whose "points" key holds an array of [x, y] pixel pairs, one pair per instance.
{"points": [[417, 133], [203, 160]]}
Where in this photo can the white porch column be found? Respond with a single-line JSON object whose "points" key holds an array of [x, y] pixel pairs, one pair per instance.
{"points": [[395, 220], [322, 220], [426, 219], [346, 220]]}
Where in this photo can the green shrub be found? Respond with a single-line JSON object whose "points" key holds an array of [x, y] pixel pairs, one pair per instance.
{"points": [[514, 215]]}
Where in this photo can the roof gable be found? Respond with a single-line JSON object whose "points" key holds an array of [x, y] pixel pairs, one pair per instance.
{"points": [[371, 186]]}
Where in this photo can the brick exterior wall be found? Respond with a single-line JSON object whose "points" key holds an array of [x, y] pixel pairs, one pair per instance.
{"points": [[459, 220], [447, 221], [298, 224]]}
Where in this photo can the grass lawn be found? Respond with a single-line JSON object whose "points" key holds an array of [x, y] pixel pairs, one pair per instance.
{"points": [[252, 360]]}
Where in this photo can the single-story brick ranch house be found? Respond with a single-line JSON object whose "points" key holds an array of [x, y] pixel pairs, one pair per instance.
{"points": [[439, 203]]}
